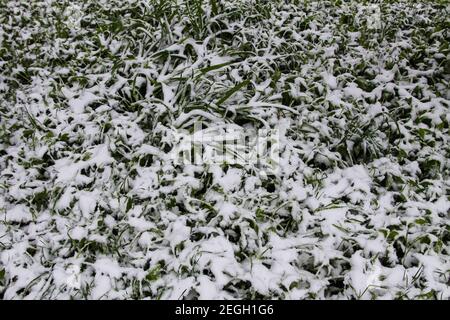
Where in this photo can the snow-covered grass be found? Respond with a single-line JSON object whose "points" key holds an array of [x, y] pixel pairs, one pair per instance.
{"points": [[92, 207]]}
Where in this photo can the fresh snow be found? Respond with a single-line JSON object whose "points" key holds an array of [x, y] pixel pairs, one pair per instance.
{"points": [[96, 97]]}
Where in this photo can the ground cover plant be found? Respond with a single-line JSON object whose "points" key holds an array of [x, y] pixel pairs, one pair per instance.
{"points": [[92, 206]]}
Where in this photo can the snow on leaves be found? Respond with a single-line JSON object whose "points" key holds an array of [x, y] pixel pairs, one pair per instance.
{"points": [[93, 205]]}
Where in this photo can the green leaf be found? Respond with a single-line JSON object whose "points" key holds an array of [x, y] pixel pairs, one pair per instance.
{"points": [[87, 156], [253, 225], [153, 274], [276, 76], [428, 295], [421, 221], [27, 133], [40, 199], [64, 137], [260, 215], [392, 235], [341, 228], [214, 8], [232, 91], [215, 67], [425, 239], [49, 135], [129, 204], [438, 246]]}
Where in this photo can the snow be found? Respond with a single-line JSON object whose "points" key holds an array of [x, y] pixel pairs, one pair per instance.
{"points": [[87, 203], [78, 233], [178, 233], [79, 104], [96, 201], [330, 80], [106, 266], [353, 91], [67, 170], [19, 213], [231, 180], [65, 200]]}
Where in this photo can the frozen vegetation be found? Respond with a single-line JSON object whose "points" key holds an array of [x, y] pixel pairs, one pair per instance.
{"points": [[92, 206]]}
